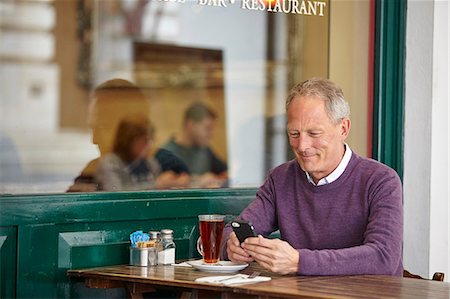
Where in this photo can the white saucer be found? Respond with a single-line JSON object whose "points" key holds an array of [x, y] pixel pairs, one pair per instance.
{"points": [[222, 266]]}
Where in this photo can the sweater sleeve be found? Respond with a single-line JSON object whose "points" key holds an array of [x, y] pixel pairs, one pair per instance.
{"points": [[260, 213], [381, 250]]}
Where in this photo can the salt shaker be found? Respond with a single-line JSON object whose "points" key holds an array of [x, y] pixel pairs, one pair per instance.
{"points": [[166, 248], [154, 235], [153, 251]]}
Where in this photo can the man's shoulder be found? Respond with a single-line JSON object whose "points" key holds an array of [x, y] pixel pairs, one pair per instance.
{"points": [[371, 167], [163, 153], [170, 145], [380, 181]]}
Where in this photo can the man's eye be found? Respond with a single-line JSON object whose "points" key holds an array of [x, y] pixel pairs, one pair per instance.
{"points": [[314, 134], [294, 134]]}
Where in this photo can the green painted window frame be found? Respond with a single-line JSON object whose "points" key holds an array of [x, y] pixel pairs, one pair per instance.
{"points": [[389, 83]]}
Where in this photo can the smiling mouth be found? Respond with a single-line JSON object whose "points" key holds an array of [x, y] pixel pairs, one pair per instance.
{"points": [[306, 157]]}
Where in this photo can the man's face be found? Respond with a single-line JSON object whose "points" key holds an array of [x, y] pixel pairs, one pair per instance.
{"points": [[317, 142], [201, 132]]}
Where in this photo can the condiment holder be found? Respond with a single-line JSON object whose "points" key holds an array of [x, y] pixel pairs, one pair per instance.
{"points": [[143, 256]]}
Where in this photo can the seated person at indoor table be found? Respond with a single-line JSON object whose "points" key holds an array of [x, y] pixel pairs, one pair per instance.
{"points": [[111, 102], [192, 147], [337, 212], [130, 166]]}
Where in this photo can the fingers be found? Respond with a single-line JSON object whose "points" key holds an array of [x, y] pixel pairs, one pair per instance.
{"points": [[234, 239], [259, 245], [235, 251], [273, 254], [260, 241], [261, 250]]}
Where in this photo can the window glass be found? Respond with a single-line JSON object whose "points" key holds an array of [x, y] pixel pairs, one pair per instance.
{"points": [[136, 94]]}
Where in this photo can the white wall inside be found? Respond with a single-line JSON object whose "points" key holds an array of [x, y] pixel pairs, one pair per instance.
{"points": [[426, 196]]}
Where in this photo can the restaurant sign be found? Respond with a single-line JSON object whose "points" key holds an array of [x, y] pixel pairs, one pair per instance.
{"points": [[301, 7]]}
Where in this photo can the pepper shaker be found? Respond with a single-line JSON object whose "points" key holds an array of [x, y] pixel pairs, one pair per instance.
{"points": [[166, 248]]}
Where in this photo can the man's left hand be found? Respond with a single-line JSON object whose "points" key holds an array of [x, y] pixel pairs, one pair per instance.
{"points": [[273, 254]]}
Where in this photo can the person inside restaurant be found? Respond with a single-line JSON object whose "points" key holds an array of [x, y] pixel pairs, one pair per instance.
{"points": [[337, 212], [130, 166], [192, 147], [113, 101]]}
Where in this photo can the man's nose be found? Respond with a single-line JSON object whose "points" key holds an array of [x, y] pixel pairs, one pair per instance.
{"points": [[303, 143]]}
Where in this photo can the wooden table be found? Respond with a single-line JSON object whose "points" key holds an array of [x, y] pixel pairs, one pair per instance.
{"points": [[138, 280]]}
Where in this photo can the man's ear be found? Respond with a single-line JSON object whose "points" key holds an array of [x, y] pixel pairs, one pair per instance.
{"points": [[345, 126]]}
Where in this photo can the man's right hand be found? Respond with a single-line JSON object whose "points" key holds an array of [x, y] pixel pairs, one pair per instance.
{"points": [[235, 252]]}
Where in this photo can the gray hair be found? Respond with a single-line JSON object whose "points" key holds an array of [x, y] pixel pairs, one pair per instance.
{"points": [[335, 104]]}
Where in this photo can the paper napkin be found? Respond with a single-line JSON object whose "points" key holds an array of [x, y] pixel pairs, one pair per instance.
{"points": [[232, 279]]}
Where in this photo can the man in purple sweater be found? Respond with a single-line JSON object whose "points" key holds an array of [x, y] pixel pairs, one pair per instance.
{"points": [[337, 213]]}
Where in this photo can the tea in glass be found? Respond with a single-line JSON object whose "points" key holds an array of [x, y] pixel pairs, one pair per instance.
{"points": [[211, 230]]}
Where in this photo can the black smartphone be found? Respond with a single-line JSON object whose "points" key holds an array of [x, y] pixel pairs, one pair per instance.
{"points": [[243, 230]]}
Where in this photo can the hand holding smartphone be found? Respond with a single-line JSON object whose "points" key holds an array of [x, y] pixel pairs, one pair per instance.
{"points": [[243, 230]]}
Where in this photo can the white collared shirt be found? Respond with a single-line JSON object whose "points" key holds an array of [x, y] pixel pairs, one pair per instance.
{"points": [[337, 172]]}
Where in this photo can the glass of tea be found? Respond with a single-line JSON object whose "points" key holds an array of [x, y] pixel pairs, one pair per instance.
{"points": [[211, 230]]}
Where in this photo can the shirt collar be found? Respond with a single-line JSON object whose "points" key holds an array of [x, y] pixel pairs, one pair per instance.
{"points": [[337, 172]]}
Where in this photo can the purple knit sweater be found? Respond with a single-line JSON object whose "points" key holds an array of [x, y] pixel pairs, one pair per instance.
{"points": [[353, 225]]}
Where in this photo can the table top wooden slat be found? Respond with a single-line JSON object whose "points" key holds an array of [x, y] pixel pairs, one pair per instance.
{"points": [[366, 286], [362, 286], [181, 277]]}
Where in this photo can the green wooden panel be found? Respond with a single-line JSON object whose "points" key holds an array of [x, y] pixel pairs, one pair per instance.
{"points": [[389, 81], [68, 231], [103, 206], [72, 246], [8, 239], [36, 265]]}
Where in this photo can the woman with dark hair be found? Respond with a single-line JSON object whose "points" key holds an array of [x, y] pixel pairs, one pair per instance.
{"points": [[128, 166]]}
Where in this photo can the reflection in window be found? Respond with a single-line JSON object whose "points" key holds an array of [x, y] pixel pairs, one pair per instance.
{"points": [[56, 56]]}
